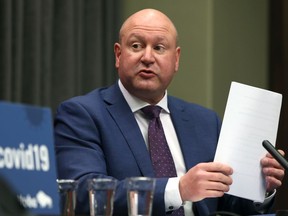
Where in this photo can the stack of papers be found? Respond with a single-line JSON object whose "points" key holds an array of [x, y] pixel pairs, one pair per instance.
{"points": [[251, 116]]}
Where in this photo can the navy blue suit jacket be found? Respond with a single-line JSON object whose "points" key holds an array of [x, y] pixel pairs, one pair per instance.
{"points": [[97, 135]]}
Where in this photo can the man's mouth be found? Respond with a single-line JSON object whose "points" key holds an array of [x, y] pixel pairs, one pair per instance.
{"points": [[147, 73]]}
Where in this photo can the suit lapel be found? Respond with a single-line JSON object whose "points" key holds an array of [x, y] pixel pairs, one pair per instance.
{"points": [[186, 132], [186, 129], [124, 118]]}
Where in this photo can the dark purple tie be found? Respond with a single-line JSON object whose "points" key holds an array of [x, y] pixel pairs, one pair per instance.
{"points": [[160, 154]]}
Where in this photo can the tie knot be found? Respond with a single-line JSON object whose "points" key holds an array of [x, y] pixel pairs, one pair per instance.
{"points": [[152, 111]]}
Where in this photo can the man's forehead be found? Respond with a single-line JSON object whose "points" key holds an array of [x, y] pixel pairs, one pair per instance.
{"points": [[140, 29], [150, 27], [156, 37]]}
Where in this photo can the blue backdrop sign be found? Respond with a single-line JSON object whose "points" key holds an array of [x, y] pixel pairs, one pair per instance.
{"points": [[27, 159]]}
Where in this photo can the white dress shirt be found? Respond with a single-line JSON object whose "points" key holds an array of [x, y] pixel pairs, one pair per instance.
{"points": [[172, 194]]}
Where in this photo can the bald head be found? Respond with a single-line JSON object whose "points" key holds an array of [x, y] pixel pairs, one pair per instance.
{"points": [[147, 55], [148, 18]]}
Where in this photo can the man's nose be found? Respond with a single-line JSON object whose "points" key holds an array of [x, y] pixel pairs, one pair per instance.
{"points": [[148, 56]]}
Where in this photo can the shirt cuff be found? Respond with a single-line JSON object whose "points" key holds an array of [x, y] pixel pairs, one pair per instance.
{"points": [[263, 207], [172, 194]]}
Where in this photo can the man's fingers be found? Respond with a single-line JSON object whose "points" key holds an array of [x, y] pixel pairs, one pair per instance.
{"points": [[217, 167]]}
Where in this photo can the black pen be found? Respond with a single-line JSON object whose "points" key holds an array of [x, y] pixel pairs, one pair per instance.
{"points": [[272, 150]]}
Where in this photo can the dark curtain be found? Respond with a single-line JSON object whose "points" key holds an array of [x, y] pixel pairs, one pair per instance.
{"points": [[51, 50], [279, 80]]}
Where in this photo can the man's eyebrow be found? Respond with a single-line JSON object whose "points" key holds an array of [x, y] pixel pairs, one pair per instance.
{"points": [[135, 35], [140, 36]]}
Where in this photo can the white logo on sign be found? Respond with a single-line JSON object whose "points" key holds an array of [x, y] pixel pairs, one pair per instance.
{"points": [[41, 200], [44, 200]]}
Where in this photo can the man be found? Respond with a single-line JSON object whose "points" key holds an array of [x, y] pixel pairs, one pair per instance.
{"points": [[104, 133]]}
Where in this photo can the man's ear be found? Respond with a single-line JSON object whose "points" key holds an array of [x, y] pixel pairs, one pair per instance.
{"points": [[117, 53], [178, 51]]}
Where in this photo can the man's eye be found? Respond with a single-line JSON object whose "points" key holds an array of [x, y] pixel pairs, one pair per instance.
{"points": [[136, 46], [160, 49]]}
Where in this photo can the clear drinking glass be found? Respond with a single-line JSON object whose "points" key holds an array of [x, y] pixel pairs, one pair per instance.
{"points": [[67, 189], [101, 196], [140, 193]]}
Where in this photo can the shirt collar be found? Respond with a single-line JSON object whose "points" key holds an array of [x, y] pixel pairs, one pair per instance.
{"points": [[136, 104]]}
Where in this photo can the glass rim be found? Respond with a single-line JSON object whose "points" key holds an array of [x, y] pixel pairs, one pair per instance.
{"points": [[102, 180], [66, 181], [141, 178]]}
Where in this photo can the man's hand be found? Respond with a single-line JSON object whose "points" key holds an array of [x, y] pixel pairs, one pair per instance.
{"points": [[205, 180], [273, 171]]}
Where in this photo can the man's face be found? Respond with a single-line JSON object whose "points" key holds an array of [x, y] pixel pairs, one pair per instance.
{"points": [[147, 57]]}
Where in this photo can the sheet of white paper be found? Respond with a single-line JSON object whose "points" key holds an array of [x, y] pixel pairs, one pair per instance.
{"points": [[251, 116]]}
